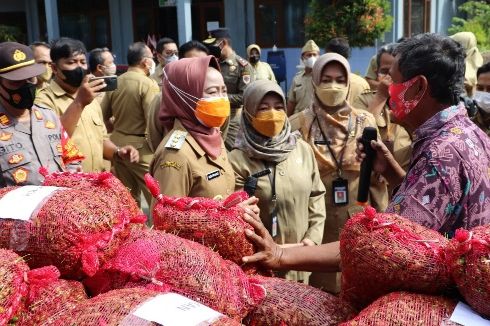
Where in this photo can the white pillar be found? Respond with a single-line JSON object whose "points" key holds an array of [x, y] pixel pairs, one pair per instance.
{"points": [[52, 23], [184, 20]]}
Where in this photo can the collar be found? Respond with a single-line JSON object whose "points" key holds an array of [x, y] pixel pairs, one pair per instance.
{"points": [[433, 125], [230, 58], [58, 90], [190, 140]]}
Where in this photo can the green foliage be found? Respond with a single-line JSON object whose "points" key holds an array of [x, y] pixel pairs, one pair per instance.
{"points": [[10, 34], [360, 21], [477, 21]]}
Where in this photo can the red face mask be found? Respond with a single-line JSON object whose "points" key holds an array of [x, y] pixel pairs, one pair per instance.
{"points": [[399, 106]]}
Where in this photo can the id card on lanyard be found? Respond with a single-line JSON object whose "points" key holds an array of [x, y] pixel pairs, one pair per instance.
{"points": [[272, 179], [340, 186]]}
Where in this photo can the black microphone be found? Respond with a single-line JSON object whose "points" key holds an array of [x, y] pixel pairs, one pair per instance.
{"points": [[368, 134], [251, 183]]}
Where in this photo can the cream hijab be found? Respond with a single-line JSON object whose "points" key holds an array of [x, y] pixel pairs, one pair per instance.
{"points": [[473, 60]]}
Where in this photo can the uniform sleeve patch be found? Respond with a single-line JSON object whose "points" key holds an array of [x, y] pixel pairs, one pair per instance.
{"points": [[171, 164], [246, 79]]}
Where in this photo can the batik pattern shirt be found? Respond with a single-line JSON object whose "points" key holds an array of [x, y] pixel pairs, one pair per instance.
{"points": [[448, 182]]}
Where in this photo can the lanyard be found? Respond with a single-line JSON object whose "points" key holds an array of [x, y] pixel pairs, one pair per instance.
{"points": [[338, 163]]}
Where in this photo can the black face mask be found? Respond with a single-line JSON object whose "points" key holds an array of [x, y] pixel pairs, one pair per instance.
{"points": [[21, 98], [254, 58], [74, 77], [215, 50]]}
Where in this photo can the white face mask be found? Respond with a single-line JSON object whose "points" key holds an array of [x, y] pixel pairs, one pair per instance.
{"points": [[309, 62], [152, 68], [482, 99], [171, 58], [110, 70]]}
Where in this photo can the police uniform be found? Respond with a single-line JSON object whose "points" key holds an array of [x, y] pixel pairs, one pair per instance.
{"points": [[25, 147], [301, 91], [90, 132], [183, 168], [237, 74], [394, 136], [337, 215], [300, 209], [130, 106]]}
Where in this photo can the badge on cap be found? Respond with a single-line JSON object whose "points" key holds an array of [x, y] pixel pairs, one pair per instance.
{"points": [[20, 175], [19, 55], [4, 136], [4, 120], [16, 158], [38, 115], [50, 125]]}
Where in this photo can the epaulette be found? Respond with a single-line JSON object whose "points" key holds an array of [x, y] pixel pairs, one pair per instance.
{"points": [[241, 61], [176, 139]]}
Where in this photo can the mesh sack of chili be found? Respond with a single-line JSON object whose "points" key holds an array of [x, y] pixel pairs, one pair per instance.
{"points": [[382, 253], [13, 286], [48, 294], [216, 224], [153, 258], [468, 256], [104, 183], [116, 307], [293, 303], [404, 308], [69, 229]]}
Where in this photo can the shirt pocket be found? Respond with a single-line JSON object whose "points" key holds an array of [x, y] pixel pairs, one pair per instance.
{"points": [[57, 151], [15, 166]]}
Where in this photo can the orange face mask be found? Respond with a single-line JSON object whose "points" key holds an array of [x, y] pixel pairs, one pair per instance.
{"points": [[269, 123], [213, 111]]}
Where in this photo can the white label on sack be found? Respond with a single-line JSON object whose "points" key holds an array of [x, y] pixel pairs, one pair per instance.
{"points": [[464, 315], [23, 202], [172, 309]]}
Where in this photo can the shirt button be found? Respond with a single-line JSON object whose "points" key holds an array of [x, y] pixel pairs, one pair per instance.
{"points": [[282, 173]]}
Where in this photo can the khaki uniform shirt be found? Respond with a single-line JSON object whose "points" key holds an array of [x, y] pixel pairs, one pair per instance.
{"points": [[25, 147], [482, 120], [155, 130], [357, 85], [188, 170], [395, 137], [372, 67], [90, 132], [237, 73], [301, 91], [300, 195], [262, 70], [157, 75]]}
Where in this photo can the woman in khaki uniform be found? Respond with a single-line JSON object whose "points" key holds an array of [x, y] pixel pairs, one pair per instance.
{"points": [[191, 160], [331, 127], [291, 198]]}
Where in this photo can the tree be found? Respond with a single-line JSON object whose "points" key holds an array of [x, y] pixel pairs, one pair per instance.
{"points": [[359, 21], [477, 21]]}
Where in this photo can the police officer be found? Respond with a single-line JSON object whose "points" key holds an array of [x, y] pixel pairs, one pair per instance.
{"points": [[71, 95], [375, 101], [300, 95], [130, 104], [30, 136], [237, 74]]}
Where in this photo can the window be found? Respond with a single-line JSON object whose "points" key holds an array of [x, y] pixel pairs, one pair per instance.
{"points": [[280, 22], [151, 19], [416, 17]]}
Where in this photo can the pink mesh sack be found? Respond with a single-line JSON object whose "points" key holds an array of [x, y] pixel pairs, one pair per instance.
{"points": [[104, 183], [113, 308], [382, 253], [469, 259], [216, 224], [13, 286], [69, 230], [154, 258], [48, 295], [403, 308], [293, 303]]}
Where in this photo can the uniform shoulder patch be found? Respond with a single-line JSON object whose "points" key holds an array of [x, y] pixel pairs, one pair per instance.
{"points": [[176, 139], [241, 61], [171, 164]]}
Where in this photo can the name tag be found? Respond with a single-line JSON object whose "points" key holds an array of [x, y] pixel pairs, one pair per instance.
{"points": [[213, 175]]}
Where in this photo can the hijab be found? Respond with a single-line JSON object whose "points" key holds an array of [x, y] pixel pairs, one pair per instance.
{"points": [[473, 59], [182, 86], [257, 146]]}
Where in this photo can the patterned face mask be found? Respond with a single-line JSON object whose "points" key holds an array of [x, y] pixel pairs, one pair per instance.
{"points": [[399, 106]]}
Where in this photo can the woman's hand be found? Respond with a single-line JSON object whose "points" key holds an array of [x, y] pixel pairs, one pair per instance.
{"points": [[269, 253]]}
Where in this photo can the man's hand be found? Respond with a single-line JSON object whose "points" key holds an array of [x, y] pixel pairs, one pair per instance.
{"points": [[251, 204], [383, 86], [88, 90], [269, 253], [128, 153], [382, 158]]}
